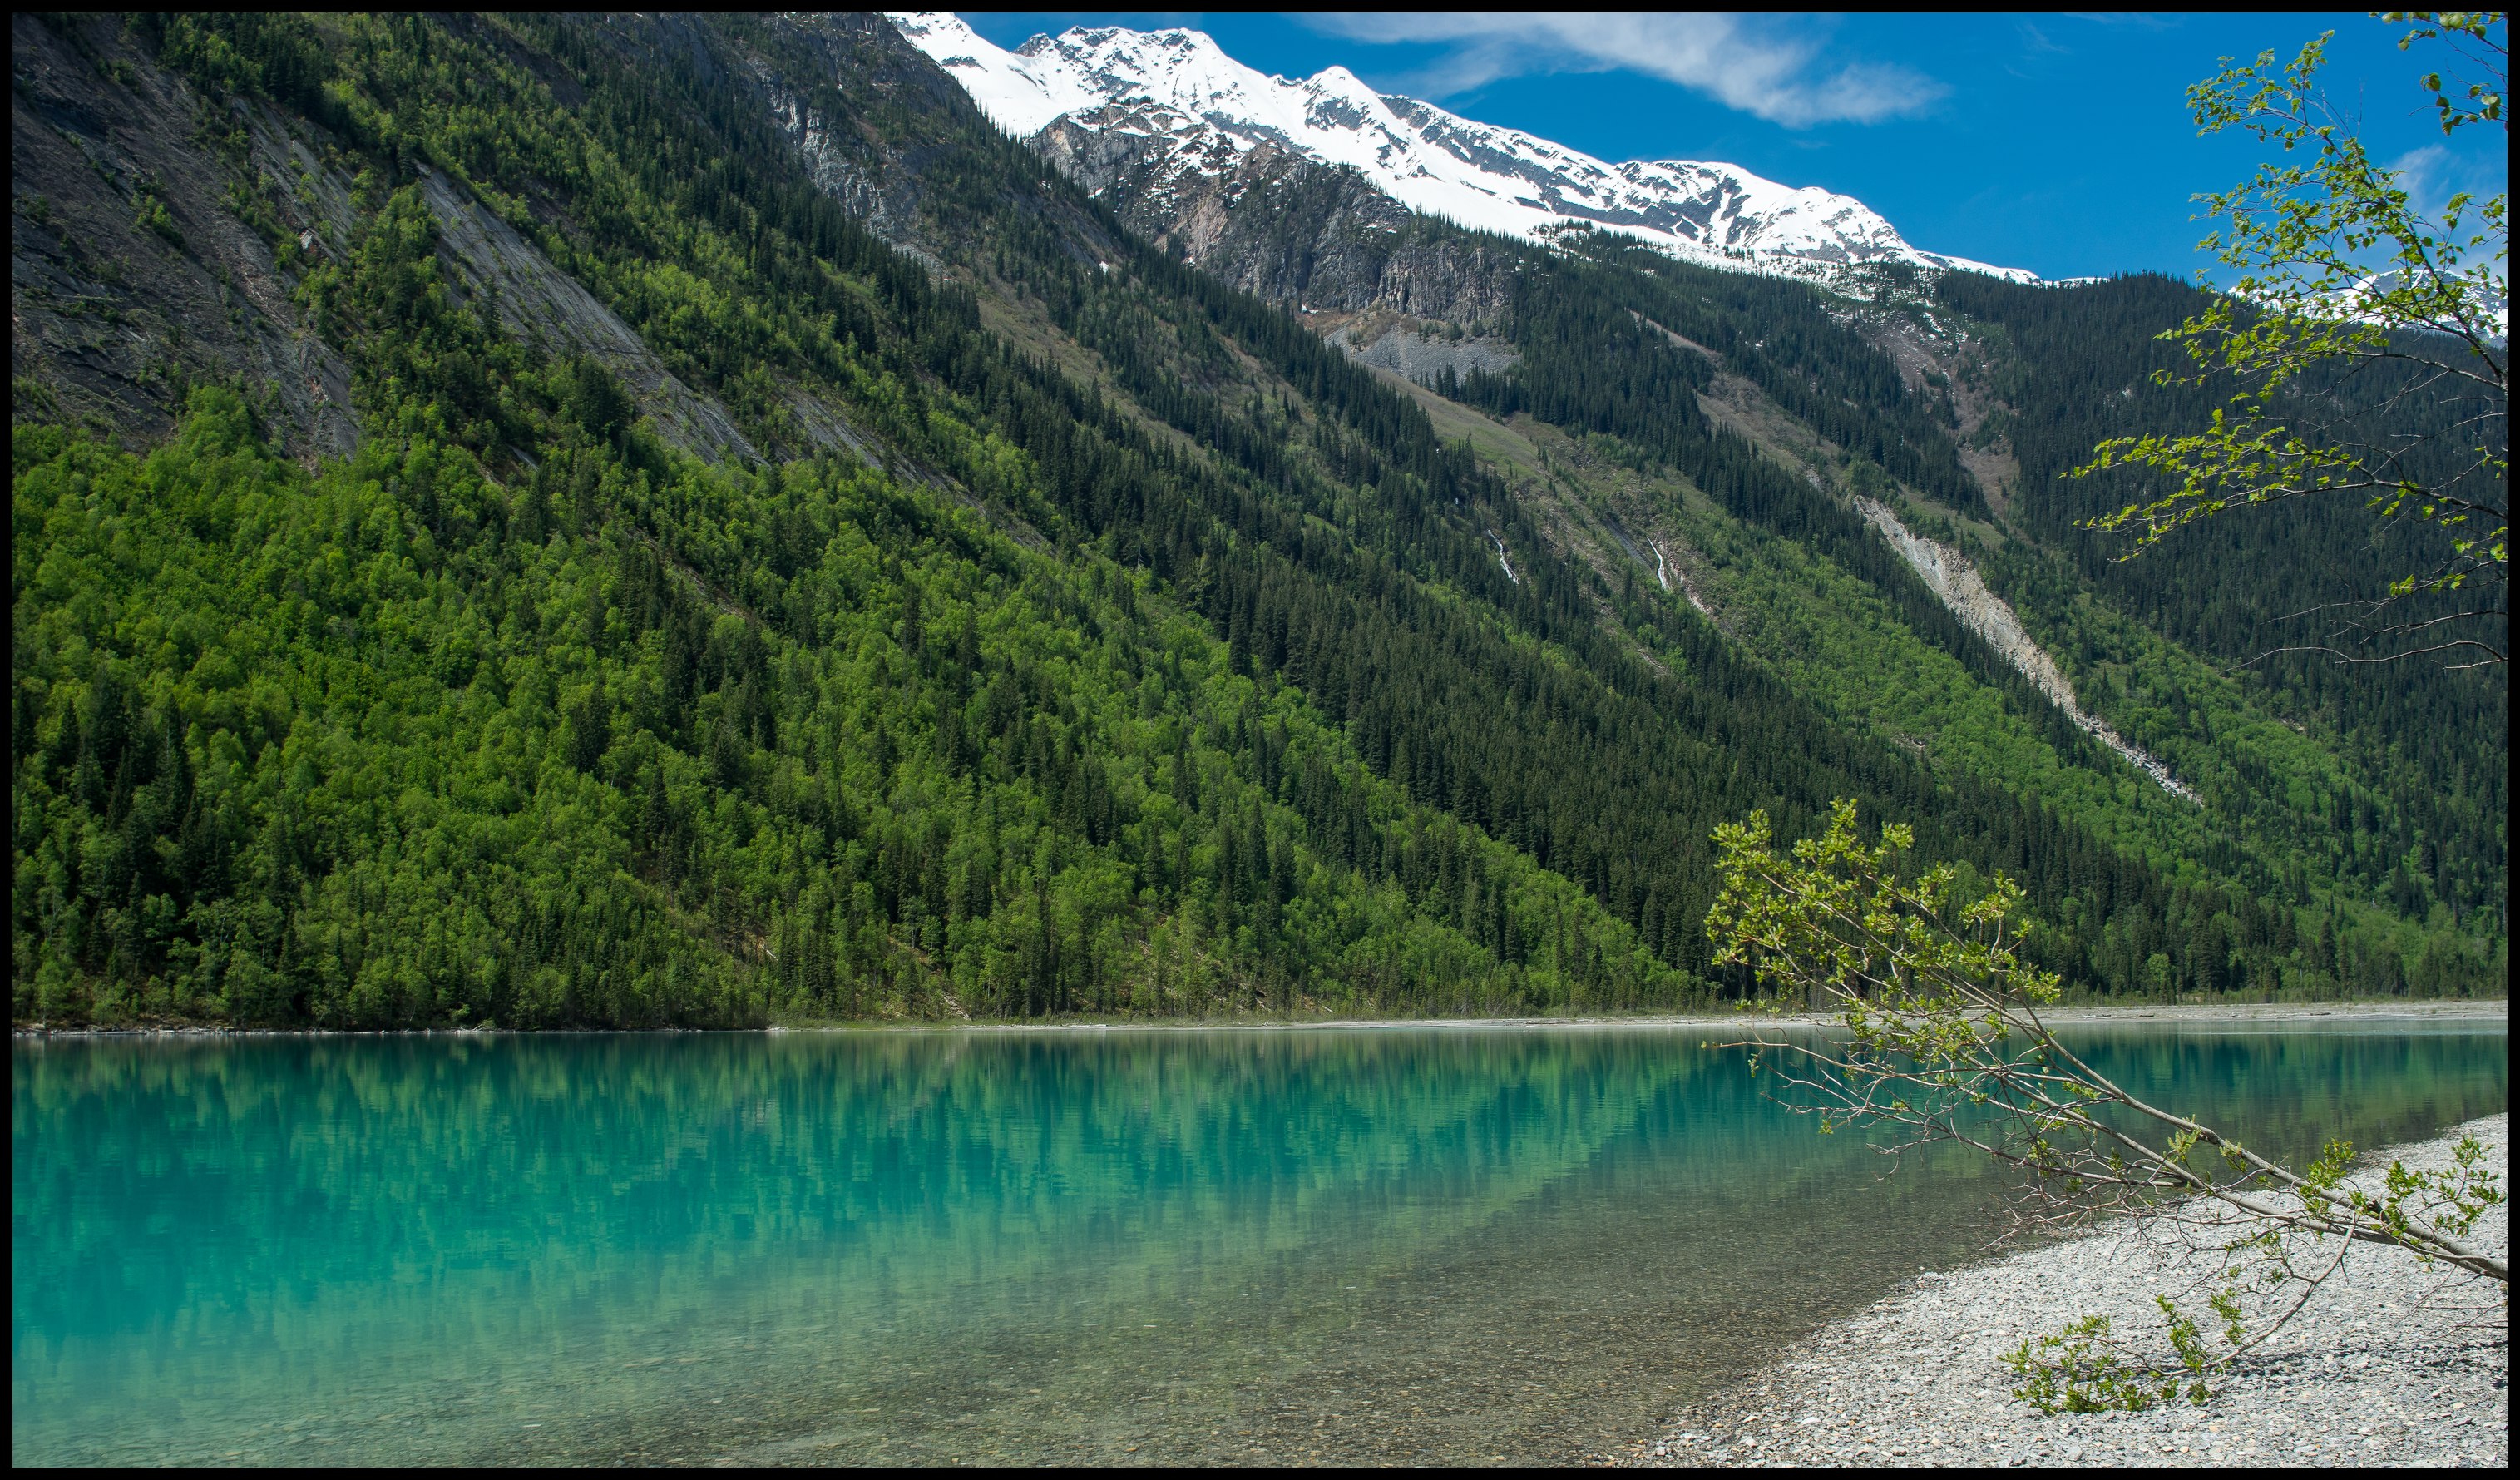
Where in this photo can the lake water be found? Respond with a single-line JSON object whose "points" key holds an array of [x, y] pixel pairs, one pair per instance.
{"points": [[1443, 1244]]}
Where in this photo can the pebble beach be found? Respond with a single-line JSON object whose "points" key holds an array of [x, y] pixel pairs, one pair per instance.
{"points": [[2392, 1362]]}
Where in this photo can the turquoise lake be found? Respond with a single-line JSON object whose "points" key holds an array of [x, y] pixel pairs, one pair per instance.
{"points": [[1409, 1244]]}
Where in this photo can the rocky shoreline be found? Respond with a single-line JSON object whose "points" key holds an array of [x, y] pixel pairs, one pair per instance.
{"points": [[2390, 1364]]}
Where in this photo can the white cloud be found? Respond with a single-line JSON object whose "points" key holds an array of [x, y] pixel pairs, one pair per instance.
{"points": [[2429, 175], [1766, 76]]}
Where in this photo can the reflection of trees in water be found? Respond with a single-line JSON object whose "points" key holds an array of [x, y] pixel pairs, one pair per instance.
{"points": [[594, 1209], [968, 1154]]}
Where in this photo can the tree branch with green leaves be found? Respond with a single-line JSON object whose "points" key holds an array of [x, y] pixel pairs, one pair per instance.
{"points": [[1935, 1034], [2343, 273]]}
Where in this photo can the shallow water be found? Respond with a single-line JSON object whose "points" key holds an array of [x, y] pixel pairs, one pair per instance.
{"points": [[1421, 1245]]}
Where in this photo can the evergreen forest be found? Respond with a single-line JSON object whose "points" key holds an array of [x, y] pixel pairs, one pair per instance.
{"points": [[652, 521]]}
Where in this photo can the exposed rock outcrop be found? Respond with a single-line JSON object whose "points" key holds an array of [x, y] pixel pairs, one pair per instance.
{"points": [[1954, 579], [1421, 355], [1282, 227], [130, 277], [545, 307], [115, 317]]}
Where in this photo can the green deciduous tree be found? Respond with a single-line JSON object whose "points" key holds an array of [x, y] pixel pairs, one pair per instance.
{"points": [[2344, 272]]}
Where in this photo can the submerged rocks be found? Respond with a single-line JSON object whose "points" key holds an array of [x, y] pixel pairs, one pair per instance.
{"points": [[2390, 1364]]}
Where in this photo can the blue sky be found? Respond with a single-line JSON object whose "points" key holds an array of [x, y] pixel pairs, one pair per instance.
{"points": [[2061, 144]]}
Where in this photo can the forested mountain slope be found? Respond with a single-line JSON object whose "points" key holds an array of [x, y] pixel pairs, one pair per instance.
{"points": [[2430, 745], [663, 520], [2391, 779]]}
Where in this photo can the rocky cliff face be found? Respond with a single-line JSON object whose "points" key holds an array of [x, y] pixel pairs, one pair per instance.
{"points": [[549, 310], [859, 61], [143, 263], [1261, 213], [131, 278], [1277, 224]]}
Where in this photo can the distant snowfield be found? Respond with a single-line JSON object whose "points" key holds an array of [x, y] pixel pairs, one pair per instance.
{"points": [[1179, 88]]}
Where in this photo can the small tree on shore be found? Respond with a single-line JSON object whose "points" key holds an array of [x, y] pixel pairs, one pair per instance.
{"points": [[1939, 1036]]}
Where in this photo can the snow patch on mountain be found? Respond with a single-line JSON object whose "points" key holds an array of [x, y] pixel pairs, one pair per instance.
{"points": [[1184, 96]]}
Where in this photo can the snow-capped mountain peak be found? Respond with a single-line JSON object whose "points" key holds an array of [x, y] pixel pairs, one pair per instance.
{"points": [[1178, 86]]}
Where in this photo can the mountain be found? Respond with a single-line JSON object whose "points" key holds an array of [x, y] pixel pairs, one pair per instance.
{"points": [[1185, 112], [648, 519]]}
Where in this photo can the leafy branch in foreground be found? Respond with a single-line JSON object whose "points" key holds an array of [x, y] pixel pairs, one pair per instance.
{"points": [[1940, 1039], [2085, 1368], [2343, 273]]}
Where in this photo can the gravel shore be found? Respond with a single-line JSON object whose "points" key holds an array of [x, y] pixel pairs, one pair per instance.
{"points": [[2390, 1364], [1729, 1024]]}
